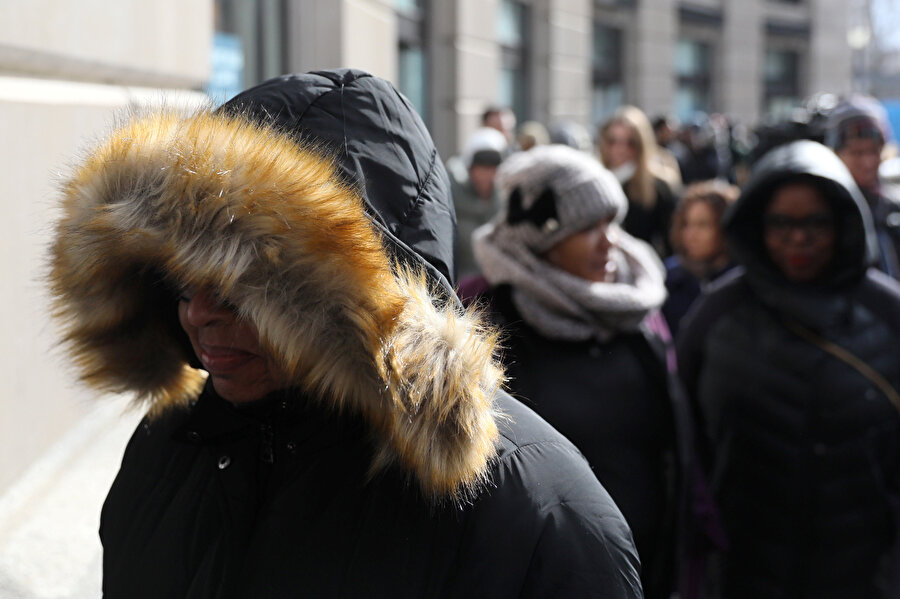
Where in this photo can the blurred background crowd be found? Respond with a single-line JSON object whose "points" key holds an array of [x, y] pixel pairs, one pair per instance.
{"points": [[724, 384]]}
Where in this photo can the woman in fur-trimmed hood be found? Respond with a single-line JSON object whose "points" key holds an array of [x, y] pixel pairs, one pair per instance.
{"points": [[350, 438]]}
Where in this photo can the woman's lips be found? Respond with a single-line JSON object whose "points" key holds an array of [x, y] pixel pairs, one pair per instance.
{"points": [[223, 360], [800, 261]]}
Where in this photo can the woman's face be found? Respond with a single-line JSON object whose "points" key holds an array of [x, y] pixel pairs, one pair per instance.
{"points": [[228, 348], [799, 233], [862, 157], [620, 145], [701, 235], [586, 254]]}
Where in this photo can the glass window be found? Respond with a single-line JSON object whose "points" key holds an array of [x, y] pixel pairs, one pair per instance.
{"points": [[782, 82], [412, 67], [512, 82], [408, 5], [693, 66], [509, 23], [226, 78], [411, 76], [608, 90], [254, 29]]}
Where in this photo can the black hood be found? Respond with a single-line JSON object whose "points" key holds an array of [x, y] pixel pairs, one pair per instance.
{"points": [[856, 243], [381, 147]]}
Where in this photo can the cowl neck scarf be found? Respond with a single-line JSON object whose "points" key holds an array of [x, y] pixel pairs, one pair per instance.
{"points": [[560, 305]]}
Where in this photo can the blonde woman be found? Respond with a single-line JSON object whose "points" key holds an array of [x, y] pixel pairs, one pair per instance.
{"points": [[627, 147]]}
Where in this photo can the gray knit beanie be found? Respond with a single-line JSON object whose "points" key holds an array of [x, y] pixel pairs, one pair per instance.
{"points": [[857, 117], [553, 191]]}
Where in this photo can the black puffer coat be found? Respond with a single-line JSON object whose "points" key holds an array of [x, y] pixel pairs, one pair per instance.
{"points": [[621, 406], [391, 466], [804, 451]]}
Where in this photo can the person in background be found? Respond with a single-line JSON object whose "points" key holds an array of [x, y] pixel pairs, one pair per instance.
{"points": [[627, 147], [475, 196], [708, 156], [572, 134], [794, 366], [665, 129], [668, 148], [532, 133], [701, 255], [503, 119], [578, 299], [857, 130], [346, 436]]}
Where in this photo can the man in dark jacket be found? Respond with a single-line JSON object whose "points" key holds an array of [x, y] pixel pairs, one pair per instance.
{"points": [[856, 131], [350, 439], [794, 365]]}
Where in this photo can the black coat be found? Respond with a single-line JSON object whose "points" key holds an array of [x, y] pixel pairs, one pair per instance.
{"points": [[317, 210], [620, 405], [276, 501], [803, 450], [886, 218], [653, 224], [684, 289]]}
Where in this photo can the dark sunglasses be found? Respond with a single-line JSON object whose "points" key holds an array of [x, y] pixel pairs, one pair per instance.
{"points": [[812, 225]]}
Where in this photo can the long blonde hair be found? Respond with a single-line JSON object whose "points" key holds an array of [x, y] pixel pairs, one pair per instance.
{"points": [[641, 188]]}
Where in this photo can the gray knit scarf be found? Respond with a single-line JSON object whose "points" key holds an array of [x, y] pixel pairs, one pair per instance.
{"points": [[562, 306]]}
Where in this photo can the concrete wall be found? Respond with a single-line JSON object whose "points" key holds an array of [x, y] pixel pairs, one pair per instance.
{"points": [[651, 56], [478, 62], [371, 40], [830, 65], [740, 64], [164, 43], [328, 34], [442, 31], [315, 41], [64, 68], [562, 60]]}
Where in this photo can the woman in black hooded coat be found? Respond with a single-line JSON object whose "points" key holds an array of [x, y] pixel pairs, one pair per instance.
{"points": [[350, 439], [793, 363]]}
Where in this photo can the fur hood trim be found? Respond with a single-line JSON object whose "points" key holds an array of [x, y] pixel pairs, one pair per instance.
{"points": [[212, 200]]}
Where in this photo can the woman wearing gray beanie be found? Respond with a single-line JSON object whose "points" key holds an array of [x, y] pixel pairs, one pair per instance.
{"points": [[578, 299]]}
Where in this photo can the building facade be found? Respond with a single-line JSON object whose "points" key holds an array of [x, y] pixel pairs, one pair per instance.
{"points": [[556, 60]]}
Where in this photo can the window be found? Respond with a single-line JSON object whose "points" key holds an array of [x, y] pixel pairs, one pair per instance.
{"points": [[250, 41], [512, 83], [412, 68], [782, 82], [226, 77], [693, 66], [607, 72]]}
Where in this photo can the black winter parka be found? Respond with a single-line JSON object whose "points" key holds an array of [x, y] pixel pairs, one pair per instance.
{"points": [[390, 465], [619, 403], [803, 450], [275, 500]]}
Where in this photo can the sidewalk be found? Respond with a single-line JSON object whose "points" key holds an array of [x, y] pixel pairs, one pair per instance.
{"points": [[49, 548]]}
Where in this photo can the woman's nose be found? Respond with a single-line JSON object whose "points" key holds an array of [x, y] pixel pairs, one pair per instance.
{"points": [[205, 309], [606, 236]]}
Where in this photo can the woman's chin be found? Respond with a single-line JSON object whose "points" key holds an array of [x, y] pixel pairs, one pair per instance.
{"points": [[236, 391]]}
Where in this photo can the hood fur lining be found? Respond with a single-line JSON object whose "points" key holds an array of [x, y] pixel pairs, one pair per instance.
{"points": [[218, 201]]}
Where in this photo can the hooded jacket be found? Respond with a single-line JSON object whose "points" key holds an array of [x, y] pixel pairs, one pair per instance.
{"points": [[803, 450], [392, 465]]}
